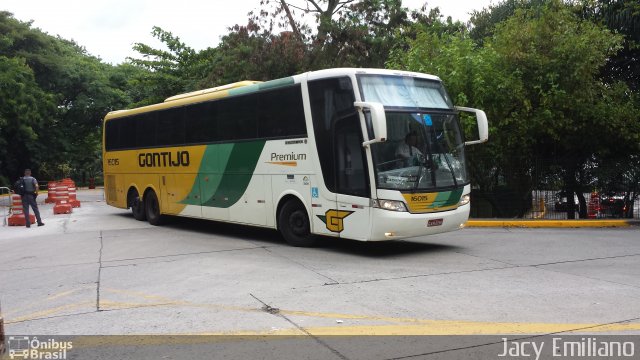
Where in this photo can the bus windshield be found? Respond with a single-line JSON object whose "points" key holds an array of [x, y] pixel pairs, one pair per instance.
{"points": [[404, 92], [425, 147], [424, 151]]}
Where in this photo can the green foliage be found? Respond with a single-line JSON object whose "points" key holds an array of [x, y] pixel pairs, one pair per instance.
{"points": [[253, 53], [55, 97], [554, 60], [23, 115], [361, 36], [558, 80], [623, 17], [538, 79], [164, 73], [485, 20]]}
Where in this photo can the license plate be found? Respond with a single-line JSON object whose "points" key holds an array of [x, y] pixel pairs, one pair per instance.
{"points": [[434, 222]]}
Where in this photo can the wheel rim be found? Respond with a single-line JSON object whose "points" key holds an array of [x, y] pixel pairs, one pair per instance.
{"points": [[136, 204], [298, 223]]}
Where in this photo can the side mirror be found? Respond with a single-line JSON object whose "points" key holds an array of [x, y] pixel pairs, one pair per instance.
{"points": [[378, 121], [483, 125]]}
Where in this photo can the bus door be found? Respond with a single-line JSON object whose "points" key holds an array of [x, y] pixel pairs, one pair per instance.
{"points": [[352, 180], [344, 207]]}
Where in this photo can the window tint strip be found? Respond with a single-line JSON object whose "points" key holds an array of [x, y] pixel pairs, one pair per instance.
{"points": [[267, 114]]}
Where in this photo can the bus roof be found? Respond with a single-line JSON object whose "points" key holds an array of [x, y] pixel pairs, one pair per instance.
{"points": [[211, 90], [312, 75], [248, 86]]}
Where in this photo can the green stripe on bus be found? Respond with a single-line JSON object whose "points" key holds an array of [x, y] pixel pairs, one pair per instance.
{"points": [[237, 174], [262, 86], [210, 174], [447, 198], [224, 174]]}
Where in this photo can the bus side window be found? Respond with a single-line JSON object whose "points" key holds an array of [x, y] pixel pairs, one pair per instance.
{"points": [[170, 127], [201, 122], [237, 118], [145, 130], [111, 137], [280, 113]]}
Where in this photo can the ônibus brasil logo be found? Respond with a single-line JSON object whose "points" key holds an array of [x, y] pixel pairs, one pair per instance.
{"points": [[25, 347]]}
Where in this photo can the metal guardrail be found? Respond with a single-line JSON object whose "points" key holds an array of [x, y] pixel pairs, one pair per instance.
{"points": [[5, 191]]}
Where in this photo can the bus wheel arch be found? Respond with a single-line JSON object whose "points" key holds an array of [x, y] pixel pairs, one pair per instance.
{"points": [[293, 222], [152, 207], [134, 201]]}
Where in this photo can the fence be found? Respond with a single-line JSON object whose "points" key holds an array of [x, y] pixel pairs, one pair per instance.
{"points": [[538, 190]]}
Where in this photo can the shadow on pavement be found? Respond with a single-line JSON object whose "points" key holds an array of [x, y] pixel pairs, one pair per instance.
{"points": [[271, 237]]}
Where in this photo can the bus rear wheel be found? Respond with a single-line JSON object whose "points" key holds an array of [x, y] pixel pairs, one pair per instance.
{"points": [[293, 223], [137, 208], [152, 208]]}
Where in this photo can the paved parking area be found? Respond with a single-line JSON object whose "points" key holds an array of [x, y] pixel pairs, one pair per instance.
{"points": [[99, 271]]}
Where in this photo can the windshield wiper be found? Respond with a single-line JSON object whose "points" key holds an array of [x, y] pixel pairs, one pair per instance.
{"points": [[446, 159], [431, 157], [453, 175]]}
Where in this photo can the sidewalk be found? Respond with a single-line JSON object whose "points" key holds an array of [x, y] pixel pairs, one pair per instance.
{"points": [[578, 223]]}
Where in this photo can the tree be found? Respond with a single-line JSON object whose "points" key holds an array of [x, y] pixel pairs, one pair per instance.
{"points": [[165, 73], [485, 21], [538, 79], [623, 17], [23, 115], [361, 36], [347, 33], [56, 96], [565, 108]]}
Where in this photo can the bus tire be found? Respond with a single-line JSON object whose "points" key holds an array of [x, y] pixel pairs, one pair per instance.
{"points": [[293, 223], [138, 209], [152, 208]]}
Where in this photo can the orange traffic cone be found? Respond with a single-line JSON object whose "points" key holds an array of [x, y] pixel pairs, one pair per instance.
{"points": [[51, 194], [62, 205], [17, 214]]}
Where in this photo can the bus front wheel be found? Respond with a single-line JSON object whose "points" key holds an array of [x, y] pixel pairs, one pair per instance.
{"points": [[152, 208], [293, 223]]}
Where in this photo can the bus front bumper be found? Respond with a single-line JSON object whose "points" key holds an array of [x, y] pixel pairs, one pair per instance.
{"points": [[391, 225]]}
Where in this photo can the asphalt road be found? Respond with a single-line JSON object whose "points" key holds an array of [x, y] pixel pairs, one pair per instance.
{"points": [[100, 272]]}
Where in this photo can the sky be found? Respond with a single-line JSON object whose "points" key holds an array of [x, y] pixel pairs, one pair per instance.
{"points": [[108, 29]]}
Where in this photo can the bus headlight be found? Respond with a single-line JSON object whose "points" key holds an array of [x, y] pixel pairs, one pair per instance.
{"points": [[392, 205], [464, 200]]}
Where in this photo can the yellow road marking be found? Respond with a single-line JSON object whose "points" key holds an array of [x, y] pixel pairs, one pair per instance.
{"points": [[48, 312], [548, 223], [166, 301], [391, 325], [449, 327], [49, 298]]}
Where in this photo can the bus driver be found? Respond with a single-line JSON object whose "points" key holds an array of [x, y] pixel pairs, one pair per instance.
{"points": [[407, 151]]}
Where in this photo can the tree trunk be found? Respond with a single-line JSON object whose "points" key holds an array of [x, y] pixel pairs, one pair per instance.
{"points": [[571, 204], [629, 200], [582, 211], [292, 22]]}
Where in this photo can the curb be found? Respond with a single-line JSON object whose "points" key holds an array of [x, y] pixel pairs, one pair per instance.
{"points": [[552, 223]]}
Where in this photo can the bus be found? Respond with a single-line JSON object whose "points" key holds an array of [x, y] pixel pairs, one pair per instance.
{"points": [[361, 154]]}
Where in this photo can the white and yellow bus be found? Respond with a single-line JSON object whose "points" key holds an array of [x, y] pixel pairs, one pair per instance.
{"points": [[363, 154]]}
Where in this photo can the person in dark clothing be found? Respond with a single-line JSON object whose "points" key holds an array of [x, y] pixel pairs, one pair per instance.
{"points": [[29, 197]]}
